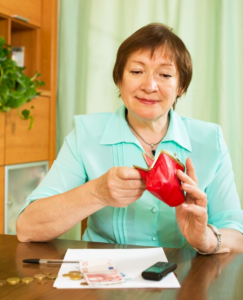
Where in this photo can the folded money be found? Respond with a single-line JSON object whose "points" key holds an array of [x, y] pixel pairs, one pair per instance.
{"points": [[100, 272]]}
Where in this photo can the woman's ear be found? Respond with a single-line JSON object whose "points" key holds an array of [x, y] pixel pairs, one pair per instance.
{"points": [[180, 92]]}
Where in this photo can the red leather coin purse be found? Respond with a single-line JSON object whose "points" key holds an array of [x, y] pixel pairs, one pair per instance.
{"points": [[160, 178]]}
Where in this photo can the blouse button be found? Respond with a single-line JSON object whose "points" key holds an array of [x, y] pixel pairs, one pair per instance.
{"points": [[154, 210], [154, 238]]}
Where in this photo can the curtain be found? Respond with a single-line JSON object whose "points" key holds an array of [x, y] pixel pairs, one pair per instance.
{"points": [[90, 32]]}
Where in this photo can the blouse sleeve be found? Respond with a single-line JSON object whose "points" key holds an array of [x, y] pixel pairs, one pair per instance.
{"points": [[66, 173], [224, 208]]}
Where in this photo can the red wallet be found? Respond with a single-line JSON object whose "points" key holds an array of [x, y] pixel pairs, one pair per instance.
{"points": [[160, 177]]}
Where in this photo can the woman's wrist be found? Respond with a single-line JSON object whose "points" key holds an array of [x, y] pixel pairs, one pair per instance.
{"points": [[210, 242], [93, 188]]}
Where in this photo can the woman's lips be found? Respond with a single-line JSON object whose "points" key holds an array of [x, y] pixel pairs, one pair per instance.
{"points": [[148, 101]]}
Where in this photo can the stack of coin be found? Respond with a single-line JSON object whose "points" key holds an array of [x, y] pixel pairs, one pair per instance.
{"points": [[13, 280], [74, 275], [39, 276], [52, 276], [74, 272], [27, 280]]}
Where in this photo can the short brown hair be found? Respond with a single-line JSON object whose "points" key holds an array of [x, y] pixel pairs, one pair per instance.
{"points": [[151, 37]]}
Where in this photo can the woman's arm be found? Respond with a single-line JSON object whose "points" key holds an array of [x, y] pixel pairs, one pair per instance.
{"points": [[49, 217]]}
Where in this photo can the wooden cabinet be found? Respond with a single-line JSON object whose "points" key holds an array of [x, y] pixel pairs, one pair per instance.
{"points": [[28, 10], [23, 145], [38, 36]]}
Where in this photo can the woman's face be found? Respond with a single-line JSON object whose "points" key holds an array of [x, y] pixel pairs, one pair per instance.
{"points": [[150, 85]]}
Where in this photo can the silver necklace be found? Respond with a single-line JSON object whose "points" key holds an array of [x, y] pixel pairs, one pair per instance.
{"points": [[151, 144]]}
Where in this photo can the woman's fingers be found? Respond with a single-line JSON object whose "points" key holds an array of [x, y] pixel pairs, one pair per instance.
{"points": [[120, 186], [129, 178], [185, 178], [194, 192], [127, 173], [198, 211], [190, 170], [190, 176]]}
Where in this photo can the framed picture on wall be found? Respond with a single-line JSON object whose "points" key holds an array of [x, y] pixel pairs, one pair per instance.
{"points": [[20, 181]]}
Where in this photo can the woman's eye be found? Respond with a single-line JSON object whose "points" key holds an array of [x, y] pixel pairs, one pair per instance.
{"points": [[136, 72], [165, 75]]}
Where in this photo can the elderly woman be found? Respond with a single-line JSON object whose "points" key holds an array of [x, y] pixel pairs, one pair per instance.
{"points": [[93, 175]]}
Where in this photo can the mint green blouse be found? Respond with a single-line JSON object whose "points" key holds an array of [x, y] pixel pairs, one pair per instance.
{"points": [[101, 141]]}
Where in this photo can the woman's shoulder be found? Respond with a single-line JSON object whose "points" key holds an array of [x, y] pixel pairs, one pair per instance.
{"points": [[199, 125], [205, 133], [93, 124]]}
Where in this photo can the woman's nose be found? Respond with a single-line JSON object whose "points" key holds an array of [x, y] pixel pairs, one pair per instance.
{"points": [[149, 84]]}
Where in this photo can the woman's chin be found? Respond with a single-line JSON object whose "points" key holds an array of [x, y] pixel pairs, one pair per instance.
{"points": [[147, 116]]}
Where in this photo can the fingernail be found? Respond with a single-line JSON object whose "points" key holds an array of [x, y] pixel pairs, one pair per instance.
{"points": [[185, 205], [180, 171]]}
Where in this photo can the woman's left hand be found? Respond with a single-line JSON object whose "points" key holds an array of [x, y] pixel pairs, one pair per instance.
{"points": [[192, 215]]}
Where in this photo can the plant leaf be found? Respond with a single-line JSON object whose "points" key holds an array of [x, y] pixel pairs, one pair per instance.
{"points": [[26, 113], [15, 87]]}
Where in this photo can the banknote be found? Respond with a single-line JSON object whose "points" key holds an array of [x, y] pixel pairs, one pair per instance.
{"points": [[100, 272]]}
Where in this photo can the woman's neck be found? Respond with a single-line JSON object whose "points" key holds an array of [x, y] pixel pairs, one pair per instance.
{"points": [[148, 131], [151, 128]]}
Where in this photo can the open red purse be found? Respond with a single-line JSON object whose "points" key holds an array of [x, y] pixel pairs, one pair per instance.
{"points": [[160, 178]]}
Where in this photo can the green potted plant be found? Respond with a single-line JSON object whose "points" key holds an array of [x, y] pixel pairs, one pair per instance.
{"points": [[15, 87]]}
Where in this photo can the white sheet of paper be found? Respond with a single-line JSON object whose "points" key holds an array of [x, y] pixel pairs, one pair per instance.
{"points": [[130, 262]]}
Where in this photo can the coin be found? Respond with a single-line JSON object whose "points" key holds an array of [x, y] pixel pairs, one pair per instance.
{"points": [[74, 272], [83, 283], [39, 276], [76, 276], [27, 280], [52, 276], [43, 281], [3, 282], [47, 273], [13, 280], [66, 275]]}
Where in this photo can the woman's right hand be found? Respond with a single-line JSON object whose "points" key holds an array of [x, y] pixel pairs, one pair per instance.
{"points": [[119, 187]]}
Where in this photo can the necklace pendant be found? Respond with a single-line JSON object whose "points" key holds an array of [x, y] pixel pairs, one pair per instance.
{"points": [[153, 152], [152, 146]]}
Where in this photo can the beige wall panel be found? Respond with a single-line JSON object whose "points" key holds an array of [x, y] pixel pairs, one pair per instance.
{"points": [[48, 58]]}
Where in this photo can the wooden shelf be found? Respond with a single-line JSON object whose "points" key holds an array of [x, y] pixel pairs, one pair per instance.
{"points": [[44, 93], [27, 37], [28, 9]]}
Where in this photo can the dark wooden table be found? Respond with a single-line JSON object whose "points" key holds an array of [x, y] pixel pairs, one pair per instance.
{"points": [[212, 277]]}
